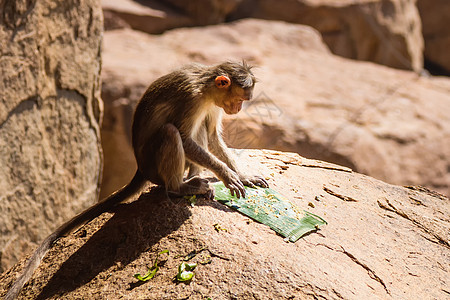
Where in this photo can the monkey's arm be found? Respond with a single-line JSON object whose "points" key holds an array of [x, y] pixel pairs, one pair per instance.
{"points": [[200, 156], [219, 149]]}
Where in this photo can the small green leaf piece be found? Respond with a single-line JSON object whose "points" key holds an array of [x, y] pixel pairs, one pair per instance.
{"points": [[192, 199], [185, 271], [185, 276], [219, 227], [190, 266], [151, 271], [150, 274]]}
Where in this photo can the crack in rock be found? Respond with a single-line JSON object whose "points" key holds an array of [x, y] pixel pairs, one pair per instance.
{"points": [[426, 191], [367, 268], [370, 272], [297, 161], [392, 208], [336, 194], [326, 167]]}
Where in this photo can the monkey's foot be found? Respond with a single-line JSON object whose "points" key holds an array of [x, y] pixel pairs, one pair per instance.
{"points": [[197, 186], [209, 195]]}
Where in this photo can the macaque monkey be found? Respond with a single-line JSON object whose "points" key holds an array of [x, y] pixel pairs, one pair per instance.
{"points": [[177, 126]]}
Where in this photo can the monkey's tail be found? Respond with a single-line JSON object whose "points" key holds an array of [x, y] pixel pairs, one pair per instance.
{"points": [[135, 185]]}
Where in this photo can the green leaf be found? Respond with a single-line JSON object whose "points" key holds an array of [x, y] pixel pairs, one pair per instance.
{"points": [[185, 271], [150, 274], [151, 271], [155, 264], [185, 276], [269, 207], [192, 199], [190, 266]]}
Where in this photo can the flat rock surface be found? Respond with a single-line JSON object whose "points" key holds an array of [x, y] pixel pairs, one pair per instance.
{"points": [[381, 242]]}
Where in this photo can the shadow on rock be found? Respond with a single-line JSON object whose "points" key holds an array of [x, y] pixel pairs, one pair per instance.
{"points": [[133, 229]]}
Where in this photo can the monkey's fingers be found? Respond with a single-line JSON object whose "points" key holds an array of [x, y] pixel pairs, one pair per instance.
{"points": [[260, 181], [248, 183], [233, 190], [241, 189], [254, 181], [237, 190]]}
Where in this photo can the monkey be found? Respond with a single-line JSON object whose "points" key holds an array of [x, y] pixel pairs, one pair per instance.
{"points": [[177, 127]]}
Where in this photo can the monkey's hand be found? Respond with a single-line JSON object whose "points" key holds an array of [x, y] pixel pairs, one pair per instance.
{"points": [[234, 184], [253, 181]]}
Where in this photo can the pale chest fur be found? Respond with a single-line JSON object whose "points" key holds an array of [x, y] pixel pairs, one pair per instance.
{"points": [[207, 115]]}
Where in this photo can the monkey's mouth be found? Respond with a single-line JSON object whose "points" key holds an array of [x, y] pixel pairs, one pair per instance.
{"points": [[234, 107]]}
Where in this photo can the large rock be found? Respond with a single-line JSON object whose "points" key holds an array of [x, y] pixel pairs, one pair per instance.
{"points": [[387, 123], [434, 14], [49, 118], [387, 32], [381, 242]]}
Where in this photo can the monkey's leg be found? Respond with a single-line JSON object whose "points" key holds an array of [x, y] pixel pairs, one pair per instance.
{"points": [[194, 170], [201, 139], [200, 156], [172, 162]]}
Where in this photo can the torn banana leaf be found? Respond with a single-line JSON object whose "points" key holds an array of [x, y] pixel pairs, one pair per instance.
{"points": [[269, 207]]}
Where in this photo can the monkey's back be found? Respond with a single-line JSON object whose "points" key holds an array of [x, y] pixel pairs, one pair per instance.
{"points": [[175, 98]]}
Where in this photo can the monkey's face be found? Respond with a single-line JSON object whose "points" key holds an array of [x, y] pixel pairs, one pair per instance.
{"points": [[233, 100], [230, 95]]}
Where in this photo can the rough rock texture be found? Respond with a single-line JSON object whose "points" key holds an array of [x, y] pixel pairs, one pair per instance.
{"points": [[387, 32], [49, 118], [381, 242], [434, 15], [387, 123]]}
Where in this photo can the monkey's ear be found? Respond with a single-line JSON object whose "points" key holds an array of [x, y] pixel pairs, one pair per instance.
{"points": [[222, 81]]}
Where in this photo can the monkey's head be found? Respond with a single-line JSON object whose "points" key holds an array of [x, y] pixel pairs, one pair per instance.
{"points": [[234, 84]]}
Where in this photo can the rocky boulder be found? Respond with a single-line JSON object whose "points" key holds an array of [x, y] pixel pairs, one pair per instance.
{"points": [[434, 14], [387, 32], [390, 124], [50, 109], [381, 242]]}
